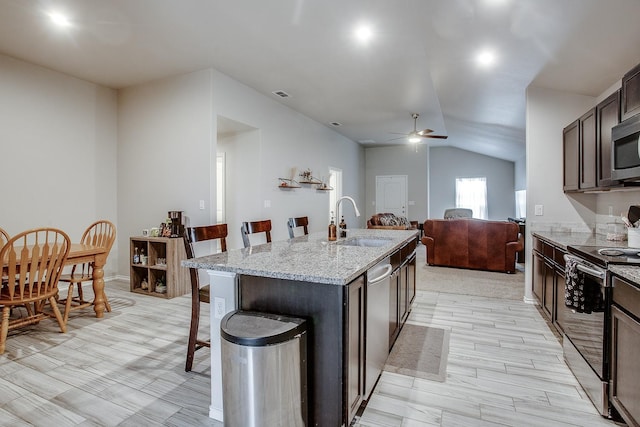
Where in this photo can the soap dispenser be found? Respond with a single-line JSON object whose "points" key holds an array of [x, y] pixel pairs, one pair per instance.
{"points": [[343, 228], [333, 231]]}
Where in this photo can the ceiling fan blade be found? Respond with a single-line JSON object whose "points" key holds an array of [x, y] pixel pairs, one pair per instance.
{"points": [[423, 132], [435, 136]]}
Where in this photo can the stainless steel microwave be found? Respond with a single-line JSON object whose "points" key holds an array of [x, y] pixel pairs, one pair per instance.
{"points": [[625, 150]]}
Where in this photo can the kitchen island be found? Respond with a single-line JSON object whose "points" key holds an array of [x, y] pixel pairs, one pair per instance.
{"points": [[322, 282]]}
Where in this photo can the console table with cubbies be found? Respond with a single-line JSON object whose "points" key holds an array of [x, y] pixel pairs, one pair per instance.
{"points": [[170, 272]]}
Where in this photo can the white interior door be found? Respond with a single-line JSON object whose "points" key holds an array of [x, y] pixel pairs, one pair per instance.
{"points": [[391, 194]]}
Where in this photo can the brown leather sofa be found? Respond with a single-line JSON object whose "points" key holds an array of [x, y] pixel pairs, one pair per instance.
{"points": [[389, 221], [472, 243]]}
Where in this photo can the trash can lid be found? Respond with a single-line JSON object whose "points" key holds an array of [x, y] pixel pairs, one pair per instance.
{"points": [[255, 329]]}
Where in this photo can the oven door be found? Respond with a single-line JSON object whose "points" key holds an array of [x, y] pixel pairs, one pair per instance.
{"points": [[585, 329]]}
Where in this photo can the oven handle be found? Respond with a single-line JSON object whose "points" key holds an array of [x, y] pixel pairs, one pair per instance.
{"points": [[581, 265]]}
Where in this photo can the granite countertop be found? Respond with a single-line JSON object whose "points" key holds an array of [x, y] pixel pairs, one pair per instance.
{"points": [[307, 258], [564, 239], [629, 272]]}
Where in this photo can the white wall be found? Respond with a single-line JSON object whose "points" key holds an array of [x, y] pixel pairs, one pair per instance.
{"points": [[288, 140], [448, 163], [165, 154], [58, 151], [399, 160], [167, 148]]}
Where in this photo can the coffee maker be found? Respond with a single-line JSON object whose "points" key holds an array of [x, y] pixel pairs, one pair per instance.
{"points": [[177, 226]]}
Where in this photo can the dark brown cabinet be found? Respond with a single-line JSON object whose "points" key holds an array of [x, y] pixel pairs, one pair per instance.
{"points": [[587, 149], [549, 279], [631, 93], [571, 153], [402, 288], [625, 347], [355, 346], [608, 115]]}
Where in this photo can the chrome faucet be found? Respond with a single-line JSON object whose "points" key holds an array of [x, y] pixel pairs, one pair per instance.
{"points": [[338, 206]]}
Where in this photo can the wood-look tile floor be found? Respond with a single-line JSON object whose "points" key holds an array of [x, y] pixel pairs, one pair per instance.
{"points": [[505, 367]]}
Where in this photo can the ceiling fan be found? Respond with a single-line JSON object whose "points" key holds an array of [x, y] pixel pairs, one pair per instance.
{"points": [[416, 135]]}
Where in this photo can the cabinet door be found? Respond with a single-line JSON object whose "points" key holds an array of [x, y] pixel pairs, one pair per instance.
{"points": [[631, 93], [559, 307], [403, 298], [625, 375], [570, 152], [394, 315], [355, 346], [411, 280], [538, 276], [548, 289], [588, 150], [608, 112]]}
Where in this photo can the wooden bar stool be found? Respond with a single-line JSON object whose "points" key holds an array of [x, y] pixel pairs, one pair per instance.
{"points": [[294, 223], [253, 227], [207, 233]]}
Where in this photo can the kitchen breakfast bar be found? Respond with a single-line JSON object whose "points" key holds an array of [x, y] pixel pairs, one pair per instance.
{"points": [[326, 284]]}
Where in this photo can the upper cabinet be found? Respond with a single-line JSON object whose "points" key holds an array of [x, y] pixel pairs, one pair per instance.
{"points": [[631, 93], [571, 153], [587, 147], [608, 115]]}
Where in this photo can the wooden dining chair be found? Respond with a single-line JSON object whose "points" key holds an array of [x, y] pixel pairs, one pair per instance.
{"points": [[4, 237], [199, 294], [33, 261], [294, 223], [100, 233], [253, 227]]}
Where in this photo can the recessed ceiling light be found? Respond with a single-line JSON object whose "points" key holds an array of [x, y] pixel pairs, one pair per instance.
{"points": [[363, 33], [60, 19], [486, 58]]}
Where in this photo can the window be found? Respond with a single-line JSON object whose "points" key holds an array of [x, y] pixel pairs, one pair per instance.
{"points": [[471, 193], [521, 203]]}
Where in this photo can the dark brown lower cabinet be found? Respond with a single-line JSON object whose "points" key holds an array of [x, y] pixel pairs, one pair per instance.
{"points": [[355, 347], [549, 279], [625, 348]]}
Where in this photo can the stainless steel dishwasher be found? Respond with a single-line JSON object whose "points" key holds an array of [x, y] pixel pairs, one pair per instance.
{"points": [[377, 324]]}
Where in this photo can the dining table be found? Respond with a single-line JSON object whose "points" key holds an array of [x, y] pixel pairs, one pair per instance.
{"points": [[80, 253]]}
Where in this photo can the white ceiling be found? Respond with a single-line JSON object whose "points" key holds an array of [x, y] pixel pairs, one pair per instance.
{"points": [[421, 58]]}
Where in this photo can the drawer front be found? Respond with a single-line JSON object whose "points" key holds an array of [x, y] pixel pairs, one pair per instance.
{"points": [[626, 295], [537, 244], [547, 250], [408, 249], [558, 257]]}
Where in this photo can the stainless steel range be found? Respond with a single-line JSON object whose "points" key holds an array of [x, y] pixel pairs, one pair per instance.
{"points": [[586, 316]]}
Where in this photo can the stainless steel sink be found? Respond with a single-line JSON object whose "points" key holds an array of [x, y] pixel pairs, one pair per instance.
{"points": [[364, 241]]}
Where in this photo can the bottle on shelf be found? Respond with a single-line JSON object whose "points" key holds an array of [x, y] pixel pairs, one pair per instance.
{"points": [[333, 232], [143, 257], [136, 256], [343, 227]]}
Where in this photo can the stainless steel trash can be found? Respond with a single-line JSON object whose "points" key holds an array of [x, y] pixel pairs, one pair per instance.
{"points": [[264, 369]]}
